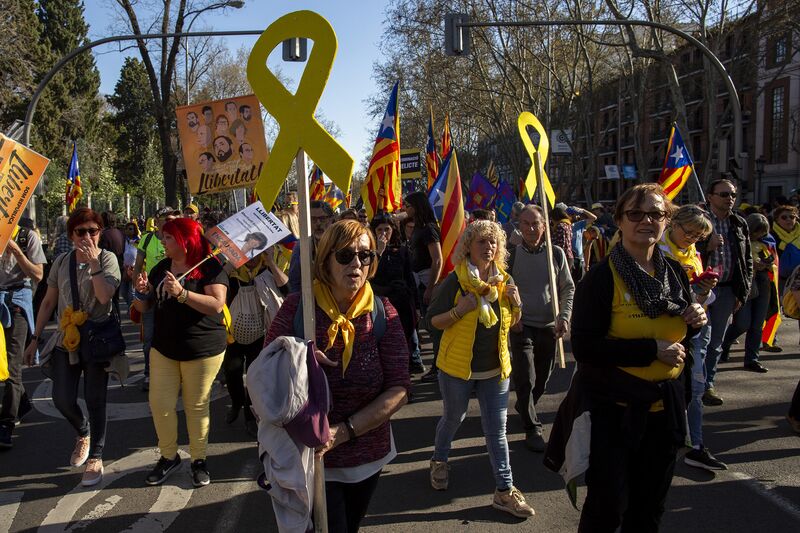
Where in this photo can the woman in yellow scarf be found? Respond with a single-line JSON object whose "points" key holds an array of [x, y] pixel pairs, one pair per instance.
{"points": [[475, 307], [365, 357]]}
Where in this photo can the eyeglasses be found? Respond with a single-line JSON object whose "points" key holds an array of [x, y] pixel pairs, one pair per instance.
{"points": [[345, 256], [637, 215], [690, 236], [725, 194], [81, 232]]}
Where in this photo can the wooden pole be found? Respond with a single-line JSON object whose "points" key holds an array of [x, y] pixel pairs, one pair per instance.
{"points": [[551, 269], [320, 506]]}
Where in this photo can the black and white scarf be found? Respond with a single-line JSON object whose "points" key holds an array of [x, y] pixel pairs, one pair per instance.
{"points": [[655, 295]]}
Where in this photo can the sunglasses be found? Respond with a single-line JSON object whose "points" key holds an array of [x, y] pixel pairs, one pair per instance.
{"points": [[81, 232], [637, 215], [725, 194], [345, 256]]}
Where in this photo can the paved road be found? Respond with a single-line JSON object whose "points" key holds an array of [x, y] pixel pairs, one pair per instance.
{"points": [[38, 492]]}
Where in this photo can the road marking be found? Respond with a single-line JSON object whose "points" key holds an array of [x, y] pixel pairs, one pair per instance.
{"points": [[232, 513], [43, 402], [96, 513], [769, 494], [9, 505], [171, 499]]}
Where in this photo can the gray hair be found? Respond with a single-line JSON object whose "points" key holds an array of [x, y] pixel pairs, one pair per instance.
{"points": [[517, 207]]}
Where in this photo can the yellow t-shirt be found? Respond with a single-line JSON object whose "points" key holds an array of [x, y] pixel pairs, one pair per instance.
{"points": [[628, 321]]}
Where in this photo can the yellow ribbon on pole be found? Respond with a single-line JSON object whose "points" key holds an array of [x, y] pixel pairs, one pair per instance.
{"points": [[294, 113], [526, 119]]}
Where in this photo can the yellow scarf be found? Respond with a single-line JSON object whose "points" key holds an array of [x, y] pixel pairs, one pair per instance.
{"points": [[69, 326], [786, 237], [486, 291], [687, 257], [342, 322], [245, 274]]}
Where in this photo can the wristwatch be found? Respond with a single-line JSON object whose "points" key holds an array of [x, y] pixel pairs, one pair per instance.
{"points": [[351, 431]]}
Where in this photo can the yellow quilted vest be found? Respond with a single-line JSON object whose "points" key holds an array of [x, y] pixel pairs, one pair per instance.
{"points": [[455, 349]]}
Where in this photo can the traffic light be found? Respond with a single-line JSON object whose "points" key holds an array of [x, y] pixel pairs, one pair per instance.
{"points": [[456, 37]]}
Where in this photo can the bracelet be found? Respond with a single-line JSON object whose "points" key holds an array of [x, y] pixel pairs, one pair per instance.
{"points": [[455, 315], [351, 431], [182, 296], [93, 274], [141, 296]]}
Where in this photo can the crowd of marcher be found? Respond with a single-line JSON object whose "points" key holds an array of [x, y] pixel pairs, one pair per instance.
{"points": [[651, 295]]}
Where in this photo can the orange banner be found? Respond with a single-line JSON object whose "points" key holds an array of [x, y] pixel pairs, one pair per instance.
{"points": [[20, 172], [223, 143]]}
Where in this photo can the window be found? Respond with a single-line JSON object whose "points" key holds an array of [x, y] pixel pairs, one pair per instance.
{"points": [[777, 143], [781, 46], [778, 50]]}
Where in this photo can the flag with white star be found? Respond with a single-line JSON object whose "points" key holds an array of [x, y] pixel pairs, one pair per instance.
{"points": [[678, 165], [448, 205], [382, 190]]}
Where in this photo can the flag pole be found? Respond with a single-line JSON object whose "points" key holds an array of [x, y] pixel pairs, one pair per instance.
{"points": [[551, 271], [301, 165]]}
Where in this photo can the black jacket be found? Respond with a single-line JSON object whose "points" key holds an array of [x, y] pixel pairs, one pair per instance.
{"points": [[739, 237]]}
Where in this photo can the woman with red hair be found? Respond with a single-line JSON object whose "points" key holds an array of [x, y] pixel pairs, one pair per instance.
{"points": [[189, 343]]}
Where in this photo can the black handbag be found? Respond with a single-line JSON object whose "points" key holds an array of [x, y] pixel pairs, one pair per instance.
{"points": [[101, 340]]}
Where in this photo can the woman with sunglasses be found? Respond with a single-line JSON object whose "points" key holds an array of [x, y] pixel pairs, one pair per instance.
{"points": [[688, 225], [97, 276], [474, 308], [394, 279], [189, 342], [365, 359], [632, 321]]}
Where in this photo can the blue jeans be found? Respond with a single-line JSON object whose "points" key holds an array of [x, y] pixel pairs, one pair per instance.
{"points": [[492, 396], [148, 326], [694, 410], [720, 313], [750, 318], [126, 291]]}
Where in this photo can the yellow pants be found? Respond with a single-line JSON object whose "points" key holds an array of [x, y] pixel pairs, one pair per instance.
{"points": [[194, 379]]}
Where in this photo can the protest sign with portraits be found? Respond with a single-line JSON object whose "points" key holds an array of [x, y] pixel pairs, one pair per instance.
{"points": [[223, 143]]}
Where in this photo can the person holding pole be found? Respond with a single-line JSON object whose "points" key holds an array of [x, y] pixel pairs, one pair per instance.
{"points": [[189, 342], [474, 309], [632, 324], [533, 338], [365, 359]]}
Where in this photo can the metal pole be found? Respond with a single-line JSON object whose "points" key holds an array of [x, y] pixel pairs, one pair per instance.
{"points": [[732, 93], [551, 269]]}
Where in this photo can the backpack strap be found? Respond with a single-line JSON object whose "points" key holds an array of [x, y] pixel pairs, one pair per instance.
{"points": [[378, 315], [73, 280]]}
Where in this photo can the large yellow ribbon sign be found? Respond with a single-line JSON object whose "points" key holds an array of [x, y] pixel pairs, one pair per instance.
{"points": [[295, 112], [528, 119]]}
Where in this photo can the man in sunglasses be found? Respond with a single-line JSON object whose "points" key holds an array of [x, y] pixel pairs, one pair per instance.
{"points": [[21, 264], [728, 250], [321, 218]]}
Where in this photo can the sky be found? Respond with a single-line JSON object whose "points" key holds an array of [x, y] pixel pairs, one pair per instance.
{"points": [[358, 26]]}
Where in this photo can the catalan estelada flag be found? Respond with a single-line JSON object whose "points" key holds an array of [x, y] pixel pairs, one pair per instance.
{"points": [[431, 157], [74, 191], [445, 198], [382, 189], [334, 196], [678, 165], [446, 139], [316, 185], [764, 249]]}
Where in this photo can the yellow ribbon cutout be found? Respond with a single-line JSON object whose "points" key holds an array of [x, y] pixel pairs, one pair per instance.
{"points": [[528, 119], [69, 324], [295, 112]]}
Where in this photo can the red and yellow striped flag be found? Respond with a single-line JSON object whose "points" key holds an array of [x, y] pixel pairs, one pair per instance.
{"points": [[382, 190]]}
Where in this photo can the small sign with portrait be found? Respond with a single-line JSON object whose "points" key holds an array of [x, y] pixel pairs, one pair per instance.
{"points": [[246, 234]]}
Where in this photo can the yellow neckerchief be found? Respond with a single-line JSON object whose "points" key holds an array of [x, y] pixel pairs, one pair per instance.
{"points": [[687, 257], [786, 237], [565, 221], [245, 274], [70, 321], [362, 304], [486, 291]]}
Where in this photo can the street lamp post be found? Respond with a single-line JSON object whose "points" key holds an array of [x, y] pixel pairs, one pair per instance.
{"points": [[760, 162]]}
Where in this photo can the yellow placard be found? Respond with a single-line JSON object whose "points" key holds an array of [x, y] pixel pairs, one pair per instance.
{"points": [[528, 119], [20, 171], [295, 112], [223, 143]]}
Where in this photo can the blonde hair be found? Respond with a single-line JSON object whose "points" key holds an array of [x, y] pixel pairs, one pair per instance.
{"points": [[692, 217], [338, 236], [481, 229]]}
